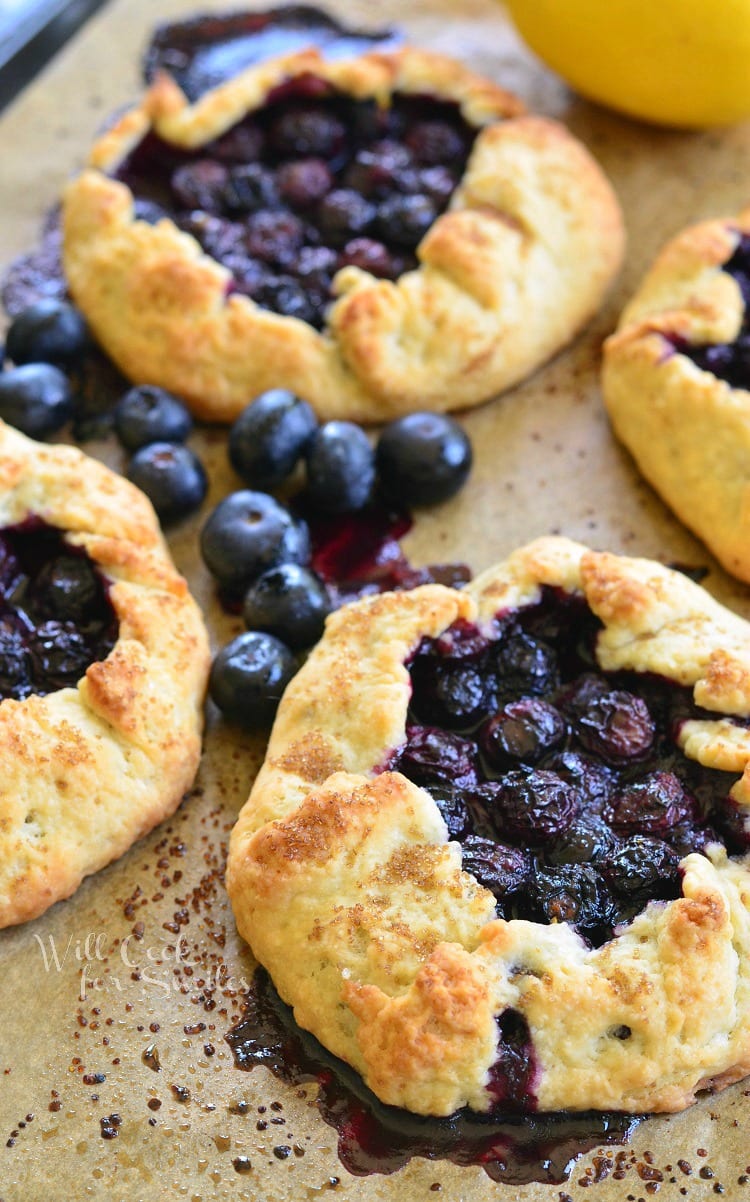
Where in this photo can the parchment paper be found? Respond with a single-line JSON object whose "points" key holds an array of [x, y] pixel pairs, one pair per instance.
{"points": [[73, 1033]]}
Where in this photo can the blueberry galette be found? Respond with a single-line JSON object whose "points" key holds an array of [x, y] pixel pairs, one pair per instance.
{"points": [[676, 383], [495, 854], [380, 234], [103, 664]]}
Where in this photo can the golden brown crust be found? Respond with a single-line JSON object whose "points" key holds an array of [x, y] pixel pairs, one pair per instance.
{"points": [[507, 275], [688, 431], [85, 771], [351, 895]]}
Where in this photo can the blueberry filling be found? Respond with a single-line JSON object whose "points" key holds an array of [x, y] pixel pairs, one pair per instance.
{"points": [[312, 182], [563, 782], [730, 361], [56, 617]]}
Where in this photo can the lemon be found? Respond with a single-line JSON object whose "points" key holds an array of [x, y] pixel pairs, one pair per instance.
{"points": [[674, 62]]}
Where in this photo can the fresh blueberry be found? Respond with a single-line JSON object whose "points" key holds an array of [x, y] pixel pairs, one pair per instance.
{"points": [[423, 458], [269, 437], [290, 602], [49, 331], [340, 468], [148, 414], [248, 533], [36, 398], [248, 677], [172, 477]]}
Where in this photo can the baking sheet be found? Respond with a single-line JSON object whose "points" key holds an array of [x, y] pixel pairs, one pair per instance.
{"points": [[88, 988]]}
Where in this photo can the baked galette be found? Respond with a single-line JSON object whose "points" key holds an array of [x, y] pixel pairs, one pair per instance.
{"points": [[676, 382], [103, 665], [495, 855], [379, 234]]}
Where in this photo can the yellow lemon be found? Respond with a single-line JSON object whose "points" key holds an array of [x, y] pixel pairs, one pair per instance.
{"points": [[675, 62]]}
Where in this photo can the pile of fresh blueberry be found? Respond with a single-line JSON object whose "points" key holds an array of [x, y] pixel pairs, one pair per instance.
{"points": [[47, 343], [259, 550], [564, 783], [312, 182]]}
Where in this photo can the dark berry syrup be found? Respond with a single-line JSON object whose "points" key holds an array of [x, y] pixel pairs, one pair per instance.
{"points": [[56, 617], [374, 1138], [359, 554], [202, 52], [730, 361]]}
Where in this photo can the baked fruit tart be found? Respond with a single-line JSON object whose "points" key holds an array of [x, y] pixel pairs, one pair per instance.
{"points": [[495, 855], [379, 234], [676, 382], [103, 665]]}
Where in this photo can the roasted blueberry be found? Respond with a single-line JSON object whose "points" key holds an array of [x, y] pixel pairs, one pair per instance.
{"points": [[406, 219], [433, 755], [49, 331], [574, 893], [283, 294], [511, 1077], [290, 602], [248, 677], [592, 780], [344, 214], [59, 655], [36, 398], [249, 187], [243, 143], [588, 839], [200, 185], [375, 169], [308, 132], [525, 665], [66, 588], [651, 806], [270, 436], [423, 458], [502, 869], [248, 533], [15, 667], [450, 693], [522, 731], [435, 141], [369, 255], [340, 468], [617, 726], [172, 477], [641, 869], [274, 236], [532, 806], [304, 183], [453, 809], [148, 414]]}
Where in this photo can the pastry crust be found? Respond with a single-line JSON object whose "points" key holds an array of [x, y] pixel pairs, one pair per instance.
{"points": [[518, 263], [344, 882], [86, 771], [688, 431]]}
